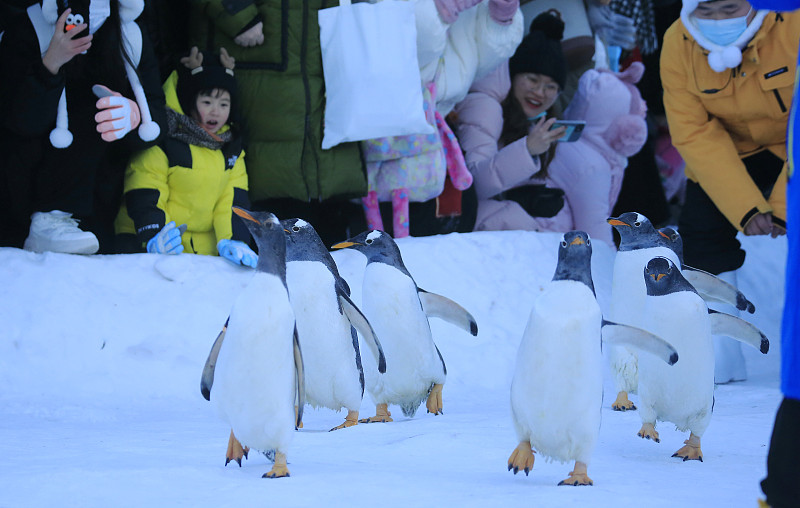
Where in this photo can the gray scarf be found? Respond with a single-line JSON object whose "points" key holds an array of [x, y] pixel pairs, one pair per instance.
{"points": [[185, 128]]}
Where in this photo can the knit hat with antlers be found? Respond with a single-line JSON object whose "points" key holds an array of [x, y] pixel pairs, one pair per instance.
{"points": [[203, 72]]}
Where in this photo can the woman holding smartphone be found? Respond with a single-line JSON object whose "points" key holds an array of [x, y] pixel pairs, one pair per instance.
{"points": [[527, 180]]}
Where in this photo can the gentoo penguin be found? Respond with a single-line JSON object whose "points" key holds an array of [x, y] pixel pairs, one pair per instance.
{"points": [[325, 318], [557, 388], [640, 242], [709, 286], [256, 368], [683, 394], [398, 310]]}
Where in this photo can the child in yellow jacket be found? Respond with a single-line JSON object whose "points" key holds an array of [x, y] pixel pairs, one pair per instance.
{"points": [[195, 175]]}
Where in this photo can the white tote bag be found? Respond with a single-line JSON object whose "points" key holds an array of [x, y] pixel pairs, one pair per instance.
{"points": [[372, 81]]}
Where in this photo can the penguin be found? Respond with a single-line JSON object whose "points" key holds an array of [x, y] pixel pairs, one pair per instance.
{"points": [[398, 310], [708, 286], [557, 386], [327, 320], [683, 394], [640, 241], [254, 372]]}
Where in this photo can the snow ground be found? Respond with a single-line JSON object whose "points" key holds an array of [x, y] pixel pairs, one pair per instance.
{"points": [[100, 362]]}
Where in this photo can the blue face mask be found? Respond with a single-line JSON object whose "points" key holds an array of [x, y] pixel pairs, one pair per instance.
{"points": [[722, 32]]}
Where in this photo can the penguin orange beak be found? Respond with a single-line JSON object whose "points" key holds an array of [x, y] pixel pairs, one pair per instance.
{"points": [[343, 245], [577, 241], [616, 222], [69, 27], [243, 214], [662, 234], [657, 277]]}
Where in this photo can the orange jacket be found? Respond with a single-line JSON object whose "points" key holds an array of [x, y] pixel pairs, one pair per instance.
{"points": [[718, 118]]}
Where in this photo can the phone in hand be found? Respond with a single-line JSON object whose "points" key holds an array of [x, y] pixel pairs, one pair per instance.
{"points": [[101, 91], [574, 129]]}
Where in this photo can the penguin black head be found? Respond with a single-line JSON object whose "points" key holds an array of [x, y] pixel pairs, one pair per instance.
{"points": [[304, 244], [270, 239], [575, 258], [662, 277], [378, 247], [302, 241], [635, 231], [673, 241]]}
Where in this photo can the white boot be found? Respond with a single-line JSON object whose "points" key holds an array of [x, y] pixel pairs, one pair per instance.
{"points": [[728, 357], [57, 231]]}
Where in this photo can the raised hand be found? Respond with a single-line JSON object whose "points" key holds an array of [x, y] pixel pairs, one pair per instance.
{"points": [[65, 44], [118, 115], [541, 137]]}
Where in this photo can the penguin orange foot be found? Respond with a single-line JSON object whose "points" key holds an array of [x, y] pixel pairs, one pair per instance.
{"points": [[382, 414], [578, 476], [434, 403], [648, 431], [235, 450], [521, 458], [691, 451], [623, 403], [279, 469], [351, 420]]}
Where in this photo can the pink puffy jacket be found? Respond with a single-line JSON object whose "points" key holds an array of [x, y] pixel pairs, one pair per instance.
{"points": [[589, 170]]}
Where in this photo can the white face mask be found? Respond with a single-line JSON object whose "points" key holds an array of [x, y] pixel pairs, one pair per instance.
{"points": [[722, 32], [99, 11]]}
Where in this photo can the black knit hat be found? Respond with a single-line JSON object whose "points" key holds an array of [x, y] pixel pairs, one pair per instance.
{"points": [[201, 71], [540, 51]]}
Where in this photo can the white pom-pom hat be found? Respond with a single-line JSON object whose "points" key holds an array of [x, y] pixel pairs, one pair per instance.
{"points": [[720, 58], [129, 10]]}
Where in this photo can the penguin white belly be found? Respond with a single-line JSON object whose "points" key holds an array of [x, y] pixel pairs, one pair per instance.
{"points": [[682, 393], [628, 293], [391, 304], [254, 382], [557, 388], [332, 378]]}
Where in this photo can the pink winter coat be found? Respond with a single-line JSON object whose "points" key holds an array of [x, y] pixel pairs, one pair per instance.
{"points": [[589, 170]]}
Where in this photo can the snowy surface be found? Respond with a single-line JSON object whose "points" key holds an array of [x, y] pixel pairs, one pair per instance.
{"points": [[100, 362]]}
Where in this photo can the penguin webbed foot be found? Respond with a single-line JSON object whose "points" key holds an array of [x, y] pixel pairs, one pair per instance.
{"points": [[691, 451], [382, 415], [434, 403], [648, 431], [578, 476], [623, 403], [235, 450], [279, 468], [350, 421], [521, 458]]}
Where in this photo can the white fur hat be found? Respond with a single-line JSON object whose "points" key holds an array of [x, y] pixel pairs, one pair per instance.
{"points": [[129, 10], [720, 58]]}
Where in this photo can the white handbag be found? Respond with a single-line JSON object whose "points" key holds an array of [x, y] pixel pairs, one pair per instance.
{"points": [[372, 81]]}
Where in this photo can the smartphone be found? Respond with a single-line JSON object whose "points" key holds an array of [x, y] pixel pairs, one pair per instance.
{"points": [[574, 129], [101, 92]]}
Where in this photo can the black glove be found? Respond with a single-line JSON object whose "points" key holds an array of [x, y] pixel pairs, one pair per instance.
{"points": [[536, 200]]}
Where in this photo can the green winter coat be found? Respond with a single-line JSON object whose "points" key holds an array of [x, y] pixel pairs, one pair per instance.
{"points": [[282, 98]]}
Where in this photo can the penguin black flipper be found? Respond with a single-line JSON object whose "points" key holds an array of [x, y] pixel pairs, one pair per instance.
{"points": [[739, 329], [300, 378], [714, 289], [619, 334], [360, 323], [444, 308], [207, 379]]}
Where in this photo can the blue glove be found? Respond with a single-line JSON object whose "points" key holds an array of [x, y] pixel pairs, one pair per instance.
{"points": [[168, 240], [237, 252], [614, 29]]}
